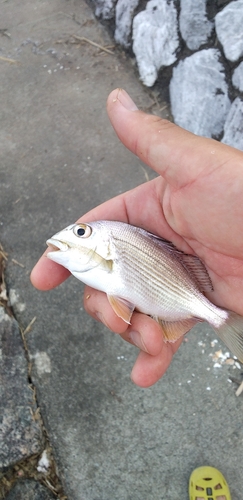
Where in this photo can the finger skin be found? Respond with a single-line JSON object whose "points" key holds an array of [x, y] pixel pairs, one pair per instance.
{"points": [[170, 150], [155, 354], [149, 369], [203, 178], [97, 305], [47, 274], [145, 333]]}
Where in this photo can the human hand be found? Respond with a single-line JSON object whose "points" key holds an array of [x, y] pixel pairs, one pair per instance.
{"points": [[196, 202]]}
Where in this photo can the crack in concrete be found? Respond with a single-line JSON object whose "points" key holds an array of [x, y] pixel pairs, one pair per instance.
{"points": [[27, 468]]}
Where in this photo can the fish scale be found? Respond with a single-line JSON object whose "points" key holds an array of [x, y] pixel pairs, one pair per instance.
{"points": [[154, 281], [138, 270]]}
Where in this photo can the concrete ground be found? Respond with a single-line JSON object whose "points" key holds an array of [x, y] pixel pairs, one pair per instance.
{"points": [[59, 158]]}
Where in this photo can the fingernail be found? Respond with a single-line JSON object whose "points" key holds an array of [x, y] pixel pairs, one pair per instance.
{"points": [[125, 100], [137, 340]]}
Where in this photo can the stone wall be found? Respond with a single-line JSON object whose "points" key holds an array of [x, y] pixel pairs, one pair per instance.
{"points": [[192, 52]]}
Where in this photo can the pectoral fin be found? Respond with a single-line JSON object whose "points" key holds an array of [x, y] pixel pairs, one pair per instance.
{"points": [[173, 330], [123, 308]]}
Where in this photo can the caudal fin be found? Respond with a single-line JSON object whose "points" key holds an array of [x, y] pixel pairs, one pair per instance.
{"points": [[231, 333]]}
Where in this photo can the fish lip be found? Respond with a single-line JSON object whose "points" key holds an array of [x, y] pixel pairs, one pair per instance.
{"points": [[57, 245]]}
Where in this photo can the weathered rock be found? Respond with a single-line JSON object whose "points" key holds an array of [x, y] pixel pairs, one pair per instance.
{"points": [[228, 24], [124, 16], [194, 26], [198, 93], [19, 433], [29, 490], [222, 3], [237, 78], [104, 8], [233, 128], [155, 38]]}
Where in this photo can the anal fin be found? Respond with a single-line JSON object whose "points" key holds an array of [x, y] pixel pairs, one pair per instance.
{"points": [[122, 307], [173, 330]]}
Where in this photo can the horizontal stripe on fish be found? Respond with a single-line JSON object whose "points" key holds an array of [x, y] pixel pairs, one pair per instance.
{"points": [[138, 270]]}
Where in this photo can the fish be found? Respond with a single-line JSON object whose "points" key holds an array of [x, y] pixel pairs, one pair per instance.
{"points": [[144, 272]]}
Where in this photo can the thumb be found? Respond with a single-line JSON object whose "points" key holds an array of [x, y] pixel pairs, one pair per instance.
{"points": [[171, 151]]}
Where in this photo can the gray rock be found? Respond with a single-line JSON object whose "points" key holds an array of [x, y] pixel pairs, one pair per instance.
{"points": [[228, 24], [124, 16], [29, 490], [194, 26], [155, 38], [104, 8], [19, 433], [233, 128], [198, 93], [237, 78]]}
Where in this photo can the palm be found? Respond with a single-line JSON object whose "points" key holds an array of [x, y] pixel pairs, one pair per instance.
{"points": [[209, 221], [192, 226]]}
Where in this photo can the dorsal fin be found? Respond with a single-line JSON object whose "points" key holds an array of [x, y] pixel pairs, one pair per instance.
{"points": [[192, 264], [198, 271]]}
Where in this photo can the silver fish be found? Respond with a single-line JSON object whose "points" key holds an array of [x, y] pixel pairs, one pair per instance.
{"points": [[138, 270]]}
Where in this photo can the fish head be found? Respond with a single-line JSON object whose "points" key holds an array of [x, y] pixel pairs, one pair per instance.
{"points": [[81, 247]]}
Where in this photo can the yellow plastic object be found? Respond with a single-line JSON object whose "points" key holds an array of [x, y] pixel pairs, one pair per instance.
{"points": [[207, 483]]}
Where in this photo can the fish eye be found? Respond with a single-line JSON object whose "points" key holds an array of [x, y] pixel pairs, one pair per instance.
{"points": [[82, 230]]}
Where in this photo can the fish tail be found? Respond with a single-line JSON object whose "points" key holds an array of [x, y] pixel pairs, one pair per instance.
{"points": [[231, 333]]}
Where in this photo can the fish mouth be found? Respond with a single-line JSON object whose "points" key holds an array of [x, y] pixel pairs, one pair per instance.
{"points": [[57, 245]]}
